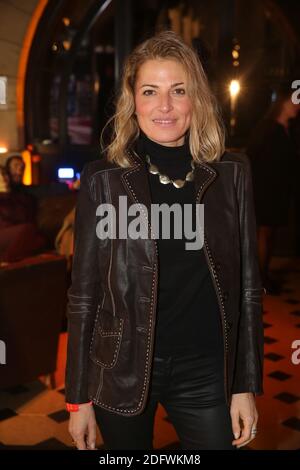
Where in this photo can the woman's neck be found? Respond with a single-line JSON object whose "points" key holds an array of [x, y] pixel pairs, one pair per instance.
{"points": [[160, 152]]}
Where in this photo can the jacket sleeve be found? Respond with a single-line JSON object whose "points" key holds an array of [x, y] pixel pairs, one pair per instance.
{"points": [[83, 293], [248, 373]]}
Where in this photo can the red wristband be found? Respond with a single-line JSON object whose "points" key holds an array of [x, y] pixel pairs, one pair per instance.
{"points": [[75, 406]]}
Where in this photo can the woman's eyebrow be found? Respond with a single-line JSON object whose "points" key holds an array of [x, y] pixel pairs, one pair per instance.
{"points": [[156, 86]]}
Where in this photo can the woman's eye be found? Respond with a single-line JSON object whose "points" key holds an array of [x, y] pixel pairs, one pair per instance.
{"points": [[148, 92], [179, 91]]}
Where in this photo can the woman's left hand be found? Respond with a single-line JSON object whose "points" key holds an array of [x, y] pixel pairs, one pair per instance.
{"points": [[244, 418]]}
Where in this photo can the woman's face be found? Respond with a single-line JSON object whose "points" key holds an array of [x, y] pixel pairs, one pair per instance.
{"points": [[162, 105], [16, 170]]}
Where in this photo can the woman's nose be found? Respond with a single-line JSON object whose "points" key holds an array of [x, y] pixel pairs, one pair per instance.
{"points": [[165, 103]]}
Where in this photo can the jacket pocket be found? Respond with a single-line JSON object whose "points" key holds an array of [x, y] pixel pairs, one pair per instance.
{"points": [[106, 340]]}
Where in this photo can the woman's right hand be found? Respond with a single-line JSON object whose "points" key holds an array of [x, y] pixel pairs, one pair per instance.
{"points": [[82, 427]]}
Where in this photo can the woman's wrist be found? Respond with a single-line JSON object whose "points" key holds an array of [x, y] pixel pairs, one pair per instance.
{"points": [[71, 407]]}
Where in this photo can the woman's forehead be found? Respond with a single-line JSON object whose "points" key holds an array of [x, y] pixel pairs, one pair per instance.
{"points": [[161, 70]]}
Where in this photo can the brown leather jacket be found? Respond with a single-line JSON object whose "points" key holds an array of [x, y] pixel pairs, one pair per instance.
{"points": [[112, 299]]}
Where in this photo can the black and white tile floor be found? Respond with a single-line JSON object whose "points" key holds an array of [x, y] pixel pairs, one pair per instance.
{"points": [[32, 416]]}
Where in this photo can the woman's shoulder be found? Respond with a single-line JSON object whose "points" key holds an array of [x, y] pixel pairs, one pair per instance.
{"points": [[94, 167], [233, 163], [235, 157]]}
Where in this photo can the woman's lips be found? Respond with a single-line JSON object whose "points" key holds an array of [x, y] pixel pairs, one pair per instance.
{"points": [[164, 122]]}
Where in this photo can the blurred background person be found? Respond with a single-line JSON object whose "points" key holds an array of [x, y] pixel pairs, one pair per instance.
{"points": [[15, 167], [272, 153], [19, 236], [295, 131]]}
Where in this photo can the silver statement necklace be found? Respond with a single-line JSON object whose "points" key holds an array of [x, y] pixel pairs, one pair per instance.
{"points": [[164, 179]]}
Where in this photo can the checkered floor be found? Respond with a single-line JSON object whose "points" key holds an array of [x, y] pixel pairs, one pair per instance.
{"points": [[33, 416]]}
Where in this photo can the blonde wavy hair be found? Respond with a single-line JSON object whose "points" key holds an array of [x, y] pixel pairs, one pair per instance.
{"points": [[206, 133]]}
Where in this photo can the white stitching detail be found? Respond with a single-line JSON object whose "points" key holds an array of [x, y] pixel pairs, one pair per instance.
{"points": [[96, 319], [117, 348]]}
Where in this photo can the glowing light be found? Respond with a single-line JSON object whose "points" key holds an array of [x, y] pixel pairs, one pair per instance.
{"points": [[64, 173], [66, 21], [27, 178], [235, 54], [234, 88], [67, 45], [3, 149]]}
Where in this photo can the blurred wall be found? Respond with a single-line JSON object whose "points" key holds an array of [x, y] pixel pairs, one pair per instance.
{"points": [[18, 20]]}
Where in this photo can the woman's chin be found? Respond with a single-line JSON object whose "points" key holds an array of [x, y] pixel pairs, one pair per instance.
{"points": [[165, 137]]}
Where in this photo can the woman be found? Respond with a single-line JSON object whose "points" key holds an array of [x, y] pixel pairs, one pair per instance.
{"points": [[151, 321], [274, 165]]}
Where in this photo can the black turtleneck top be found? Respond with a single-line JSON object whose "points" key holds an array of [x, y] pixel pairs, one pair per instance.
{"points": [[188, 315]]}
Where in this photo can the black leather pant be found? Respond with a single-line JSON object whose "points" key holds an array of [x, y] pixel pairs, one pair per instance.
{"points": [[191, 389]]}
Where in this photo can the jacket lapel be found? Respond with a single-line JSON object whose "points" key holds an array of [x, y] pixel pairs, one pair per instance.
{"points": [[135, 182], [204, 175]]}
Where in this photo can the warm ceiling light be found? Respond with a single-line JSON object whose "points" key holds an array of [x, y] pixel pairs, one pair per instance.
{"points": [[235, 54], [234, 88], [67, 45], [3, 149], [66, 21]]}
